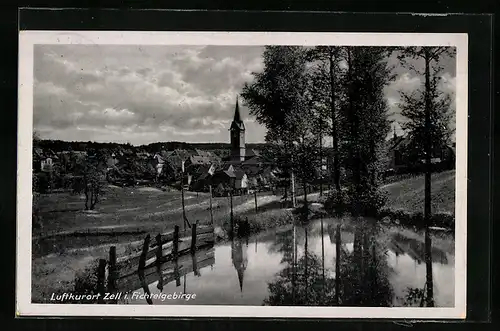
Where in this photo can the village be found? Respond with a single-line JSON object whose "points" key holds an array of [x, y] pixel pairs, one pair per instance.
{"points": [[238, 169]]}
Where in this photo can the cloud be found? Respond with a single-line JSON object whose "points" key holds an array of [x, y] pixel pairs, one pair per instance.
{"points": [[408, 80], [143, 94], [171, 91]]}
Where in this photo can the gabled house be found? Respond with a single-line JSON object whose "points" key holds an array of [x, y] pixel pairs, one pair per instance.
{"points": [[223, 176], [46, 164], [111, 161], [401, 155], [241, 181], [197, 160]]}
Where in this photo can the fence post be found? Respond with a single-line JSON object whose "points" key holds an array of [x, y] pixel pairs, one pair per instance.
{"points": [[255, 198], [112, 271], [211, 208], [175, 243], [159, 248], [145, 249], [101, 275], [175, 255], [193, 237], [159, 253]]}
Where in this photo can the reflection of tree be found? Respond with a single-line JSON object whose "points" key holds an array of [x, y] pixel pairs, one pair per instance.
{"points": [[307, 289], [362, 276], [365, 273]]}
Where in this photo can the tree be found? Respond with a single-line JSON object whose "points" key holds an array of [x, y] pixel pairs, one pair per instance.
{"points": [[327, 73], [428, 112], [364, 112], [277, 99], [92, 173], [415, 104]]}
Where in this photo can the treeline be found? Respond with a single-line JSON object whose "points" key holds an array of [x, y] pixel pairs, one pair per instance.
{"points": [[308, 96], [61, 145]]}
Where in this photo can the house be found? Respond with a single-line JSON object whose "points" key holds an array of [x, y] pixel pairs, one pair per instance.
{"points": [[183, 154], [111, 161], [201, 175], [46, 164], [198, 160], [241, 182], [223, 177], [402, 158]]}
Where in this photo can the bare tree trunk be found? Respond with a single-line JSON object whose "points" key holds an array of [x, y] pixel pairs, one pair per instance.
{"points": [[86, 191], [337, 265], [306, 206], [354, 122], [292, 179], [427, 194], [321, 158], [336, 165]]}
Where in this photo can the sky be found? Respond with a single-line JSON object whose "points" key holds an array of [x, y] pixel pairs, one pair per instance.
{"points": [[144, 94]]}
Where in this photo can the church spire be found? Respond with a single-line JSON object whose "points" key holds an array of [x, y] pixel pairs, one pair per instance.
{"points": [[237, 116]]}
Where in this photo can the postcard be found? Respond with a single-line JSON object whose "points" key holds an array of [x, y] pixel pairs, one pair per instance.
{"points": [[242, 174]]}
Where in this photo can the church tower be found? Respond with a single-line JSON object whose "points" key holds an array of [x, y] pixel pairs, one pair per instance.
{"points": [[237, 134]]}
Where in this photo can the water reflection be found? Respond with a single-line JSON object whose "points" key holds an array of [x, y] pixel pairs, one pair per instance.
{"points": [[239, 258], [327, 262], [360, 277]]}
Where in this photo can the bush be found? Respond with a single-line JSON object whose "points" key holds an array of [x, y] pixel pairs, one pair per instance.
{"points": [[335, 203], [41, 182], [85, 281], [371, 201], [263, 222]]}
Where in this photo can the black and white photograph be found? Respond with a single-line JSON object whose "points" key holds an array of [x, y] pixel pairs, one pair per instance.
{"points": [[242, 174]]}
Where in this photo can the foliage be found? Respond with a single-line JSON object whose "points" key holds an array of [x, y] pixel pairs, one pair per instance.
{"points": [[363, 278], [280, 99], [414, 297], [414, 104], [36, 218], [307, 288], [85, 282], [91, 173], [364, 112], [326, 73]]}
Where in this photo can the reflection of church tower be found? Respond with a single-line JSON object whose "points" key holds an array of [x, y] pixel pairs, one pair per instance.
{"points": [[237, 136], [239, 258]]}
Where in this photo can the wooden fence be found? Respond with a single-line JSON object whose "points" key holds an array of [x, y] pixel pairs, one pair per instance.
{"points": [[164, 259]]}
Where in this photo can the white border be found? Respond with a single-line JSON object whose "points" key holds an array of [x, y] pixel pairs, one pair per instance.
{"points": [[27, 39]]}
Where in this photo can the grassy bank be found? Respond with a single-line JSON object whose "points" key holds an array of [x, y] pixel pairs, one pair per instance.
{"points": [[405, 203]]}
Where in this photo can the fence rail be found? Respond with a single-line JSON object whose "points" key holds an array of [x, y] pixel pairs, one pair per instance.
{"points": [[165, 258]]}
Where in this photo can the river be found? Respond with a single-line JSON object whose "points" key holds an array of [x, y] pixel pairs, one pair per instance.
{"points": [[297, 265]]}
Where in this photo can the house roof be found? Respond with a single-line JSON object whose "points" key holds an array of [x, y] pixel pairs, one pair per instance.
{"points": [[399, 142], [224, 172], [184, 154], [251, 152], [197, 159], [239, 174], [175, 161]]}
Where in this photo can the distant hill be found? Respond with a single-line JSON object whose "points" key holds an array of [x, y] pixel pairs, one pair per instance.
{"points": [[60, 145]]}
